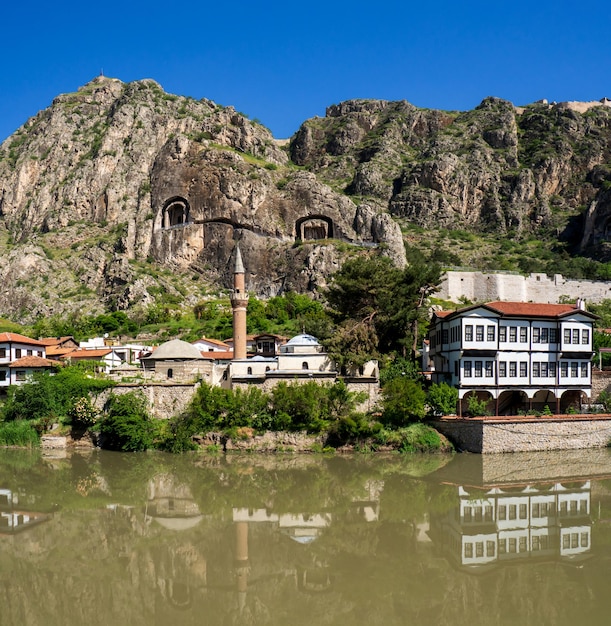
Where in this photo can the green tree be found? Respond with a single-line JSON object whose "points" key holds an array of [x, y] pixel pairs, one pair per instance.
{"points": [[402, 402], [51, 397], [372, 291], [475, 406], [442, 399], [353, 343]]}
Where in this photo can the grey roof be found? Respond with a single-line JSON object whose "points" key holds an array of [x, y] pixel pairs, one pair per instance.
{"points": [[176, 349]]}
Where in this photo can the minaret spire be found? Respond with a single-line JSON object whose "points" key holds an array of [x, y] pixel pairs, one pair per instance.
{"points": [[239, 303]]}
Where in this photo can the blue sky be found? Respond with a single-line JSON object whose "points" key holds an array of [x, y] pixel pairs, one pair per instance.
{"points": [[283, 62]]}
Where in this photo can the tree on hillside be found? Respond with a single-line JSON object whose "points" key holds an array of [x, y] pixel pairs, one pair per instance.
{"points": [[383, 303]]}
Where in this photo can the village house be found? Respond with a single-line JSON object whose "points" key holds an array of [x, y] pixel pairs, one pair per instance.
{"points": [[517, 356], [20, 357]]}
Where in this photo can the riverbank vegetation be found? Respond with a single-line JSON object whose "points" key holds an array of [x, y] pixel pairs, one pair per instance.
{"points": [[63, 404]]}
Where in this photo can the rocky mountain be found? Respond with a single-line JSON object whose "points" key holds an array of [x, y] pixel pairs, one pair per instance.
{"points": [[116, 182], [121, 192], [520, 171]]}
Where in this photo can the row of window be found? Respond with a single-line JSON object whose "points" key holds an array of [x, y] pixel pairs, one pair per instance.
{"points": [[513, 333], [19, 353], [515, 545], [543, 369], [520, 511]]}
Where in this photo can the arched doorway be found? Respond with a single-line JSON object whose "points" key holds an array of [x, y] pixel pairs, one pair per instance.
{"points": [[314, 227], [512, 402], [176, 212], [476, 403], [544, 401], [571, 401]]}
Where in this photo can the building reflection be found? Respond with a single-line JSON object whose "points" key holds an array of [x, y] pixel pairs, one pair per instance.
{"points": [[503, 524], [16, 516]]}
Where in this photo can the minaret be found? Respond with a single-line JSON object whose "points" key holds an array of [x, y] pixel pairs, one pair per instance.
{"points": [[239, 302]]}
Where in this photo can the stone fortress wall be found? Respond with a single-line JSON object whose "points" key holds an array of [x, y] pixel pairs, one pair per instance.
{"points": [[513, 287]]}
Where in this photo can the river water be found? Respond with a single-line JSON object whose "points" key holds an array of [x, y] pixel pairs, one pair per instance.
{"points": [[111, 538]]}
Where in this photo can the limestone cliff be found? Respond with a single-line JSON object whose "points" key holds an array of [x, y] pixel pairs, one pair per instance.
{"points": [[497, 168], [120, 192], [116, 177]]}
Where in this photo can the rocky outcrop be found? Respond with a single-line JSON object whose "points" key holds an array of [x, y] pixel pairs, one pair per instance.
{"points": [[112, 182], [124, 174], [496, 168]]}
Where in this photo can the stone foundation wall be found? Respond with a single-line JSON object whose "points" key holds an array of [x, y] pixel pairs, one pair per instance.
{"points": [[165, 400], [601, 381], [526, 434]]}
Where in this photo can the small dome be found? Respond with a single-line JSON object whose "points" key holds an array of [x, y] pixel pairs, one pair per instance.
{"points": [[176, 349], [303, 340]]}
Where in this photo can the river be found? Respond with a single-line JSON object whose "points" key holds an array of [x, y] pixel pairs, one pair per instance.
{"points": [[110, 539]]}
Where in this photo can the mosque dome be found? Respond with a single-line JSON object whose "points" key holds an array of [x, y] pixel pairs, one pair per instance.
{"points": [[176, 350]]}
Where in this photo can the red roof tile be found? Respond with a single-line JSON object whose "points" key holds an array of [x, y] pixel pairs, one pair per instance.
{"points": [[16, 338], [57, 351], [87, 354], [34, 361], [531, 308], [215, 342], [56, 341], [520, 309], [220, 355]]}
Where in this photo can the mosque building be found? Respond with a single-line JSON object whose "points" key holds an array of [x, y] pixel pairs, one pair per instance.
{"points": [[299, 360]]}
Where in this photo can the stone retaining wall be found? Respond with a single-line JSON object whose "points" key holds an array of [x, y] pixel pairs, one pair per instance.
{"points": [[601, 381], [164, 399], [526, 434]]}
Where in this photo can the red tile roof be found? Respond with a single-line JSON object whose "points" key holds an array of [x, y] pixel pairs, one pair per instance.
{"points": [[16, 338], [56, 341], [88, 354], [34, 361], [219, 355], [531, 309], [57, 351], [215, 342], [520, 309]]}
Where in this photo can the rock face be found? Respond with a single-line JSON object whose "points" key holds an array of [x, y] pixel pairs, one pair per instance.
{"points": [[111, 182], [496, 168], [119, 174]]}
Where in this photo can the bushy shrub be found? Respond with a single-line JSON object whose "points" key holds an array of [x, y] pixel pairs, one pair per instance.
{"points": [[127, 425], [442, 399], [475, 406], [412, 438], [403, 402], [51, 397]]}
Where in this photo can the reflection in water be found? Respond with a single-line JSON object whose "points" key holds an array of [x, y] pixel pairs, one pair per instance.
{"points": [[504, 524], [144, 539], [16, 516]]}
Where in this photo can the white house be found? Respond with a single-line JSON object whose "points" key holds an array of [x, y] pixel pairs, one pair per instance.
{"points": [[107, 357], [205, 344], [517, 355], [20, 356]]}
